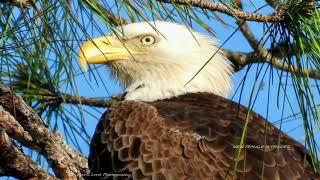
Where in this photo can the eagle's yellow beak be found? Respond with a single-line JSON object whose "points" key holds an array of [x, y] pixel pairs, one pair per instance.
{"points": [[103, 50]]}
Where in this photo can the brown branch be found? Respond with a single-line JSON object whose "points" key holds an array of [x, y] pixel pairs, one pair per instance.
{"points": [[240, 59], [248, 34], [47, 143], [16, 164], [261, 54], [13, 128], [56, 99], [88, 101], [203, 4], [244, 28]]}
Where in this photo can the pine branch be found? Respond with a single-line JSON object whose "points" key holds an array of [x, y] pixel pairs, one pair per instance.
{"points": [[16, 164], [247, 33], [240, 59], [234, 12], [13, 128], [262, 55], [51, 146], [56, 99]]}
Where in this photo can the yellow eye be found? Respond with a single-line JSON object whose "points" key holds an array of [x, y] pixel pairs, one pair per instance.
{"points": [[148, 40]]}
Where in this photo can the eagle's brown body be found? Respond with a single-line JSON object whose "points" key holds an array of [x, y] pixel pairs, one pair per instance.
{"points": [[193, 136]]}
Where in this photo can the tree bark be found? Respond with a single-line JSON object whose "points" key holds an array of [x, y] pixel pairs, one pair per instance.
{"points": [[65, 162]]}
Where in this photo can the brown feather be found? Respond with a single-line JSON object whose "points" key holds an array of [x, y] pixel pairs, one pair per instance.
{"points": [[157, 140]]}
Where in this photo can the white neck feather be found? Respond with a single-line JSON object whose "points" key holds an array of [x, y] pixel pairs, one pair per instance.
{"points": [[154, 81]]}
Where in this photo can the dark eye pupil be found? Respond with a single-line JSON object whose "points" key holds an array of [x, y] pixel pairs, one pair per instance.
{"points": [[148, 39]]}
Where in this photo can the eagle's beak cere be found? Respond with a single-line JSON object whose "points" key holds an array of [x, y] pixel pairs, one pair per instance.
{"points": [[103, 50]]}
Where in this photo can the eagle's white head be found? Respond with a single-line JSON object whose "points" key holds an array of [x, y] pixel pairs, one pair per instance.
{"points": [[156, 60]]}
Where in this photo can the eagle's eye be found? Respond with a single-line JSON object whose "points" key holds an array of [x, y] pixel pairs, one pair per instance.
{"points": [[147, 40]]}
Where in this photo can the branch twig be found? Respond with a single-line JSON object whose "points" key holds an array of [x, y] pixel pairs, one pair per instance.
{"points": [[237, 13], [240, 59], [66, 98]]}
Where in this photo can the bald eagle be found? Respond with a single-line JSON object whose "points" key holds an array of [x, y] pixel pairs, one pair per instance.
{"points": [[169, 128]]}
